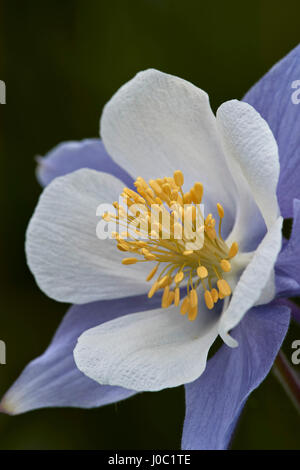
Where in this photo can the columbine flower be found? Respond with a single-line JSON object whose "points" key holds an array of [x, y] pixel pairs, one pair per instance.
{"points": [[160, 129]]}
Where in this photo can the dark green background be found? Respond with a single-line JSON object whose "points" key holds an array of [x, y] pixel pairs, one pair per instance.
{"points": [[61, 61]]}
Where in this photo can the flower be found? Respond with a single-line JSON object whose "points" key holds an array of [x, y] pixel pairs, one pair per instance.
{"points": [[154, 126]]}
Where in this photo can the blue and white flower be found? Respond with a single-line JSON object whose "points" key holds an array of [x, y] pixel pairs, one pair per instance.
{"points": [[247, 159]]}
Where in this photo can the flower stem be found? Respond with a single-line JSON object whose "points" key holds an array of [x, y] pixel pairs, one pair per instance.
{"points": [[289, 380]]}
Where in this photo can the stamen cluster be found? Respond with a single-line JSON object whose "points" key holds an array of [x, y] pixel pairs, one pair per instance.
{"points": [[185, 247]]}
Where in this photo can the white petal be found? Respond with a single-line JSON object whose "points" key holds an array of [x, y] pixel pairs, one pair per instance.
{"points": [[144, 351], [268, 292], [255, 284], [158, 123], [69, 262], [249, 227], [250, 143]]}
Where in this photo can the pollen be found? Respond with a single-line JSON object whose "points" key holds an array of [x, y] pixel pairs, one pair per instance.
{"points": [[162, 225]]}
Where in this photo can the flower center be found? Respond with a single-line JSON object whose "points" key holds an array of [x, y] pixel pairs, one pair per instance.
{"points": [[185, 246]]}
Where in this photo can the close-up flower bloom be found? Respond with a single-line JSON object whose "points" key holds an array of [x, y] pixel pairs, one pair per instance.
{"points": [[146, 313]]}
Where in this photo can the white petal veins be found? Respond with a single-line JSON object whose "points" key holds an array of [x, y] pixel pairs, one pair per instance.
{"points": [[151, 350], [69, 262]]}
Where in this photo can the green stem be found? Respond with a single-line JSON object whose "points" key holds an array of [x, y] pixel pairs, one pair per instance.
{"points": [[289, 380]]}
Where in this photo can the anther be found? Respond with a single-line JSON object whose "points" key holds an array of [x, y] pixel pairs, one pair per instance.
{"points": [[164, 281], [193, 196], [202, 272], [178, 178], [187, 199], [174, 195], [167, 189], [225, 265], [129, 261], [152, 273], [164, 300], [223, 287], [155, 186], [149, 256], [171, 297], [198, 189], [121, 247], [208, 219], [215, 295], [220, 211], [177, 296], [153, 290], [208, 300], [178, 278], [193, 298], [233, 250], [192, 312], [184, 306]]}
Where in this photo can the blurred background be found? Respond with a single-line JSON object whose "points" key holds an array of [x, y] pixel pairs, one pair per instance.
{"points": [[61, 61]]}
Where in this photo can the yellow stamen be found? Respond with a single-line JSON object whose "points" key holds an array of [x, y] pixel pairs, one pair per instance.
{"points": [[233, 250], [208, 300], [184, 244], [170, 298], [164, 281], [192, 313], [193, 298], [215, 295], [177, 296], [225, 265], [153, 290], [152, 273], [178, 278], [129, 261], [184, 306], [224, 287], [155, 186], [198, 189], [178, 178], [187, 198], [149, 256], [193, 196], [165, 297], [220, 211], [120, 247], [174, 195], [202, 272]]}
